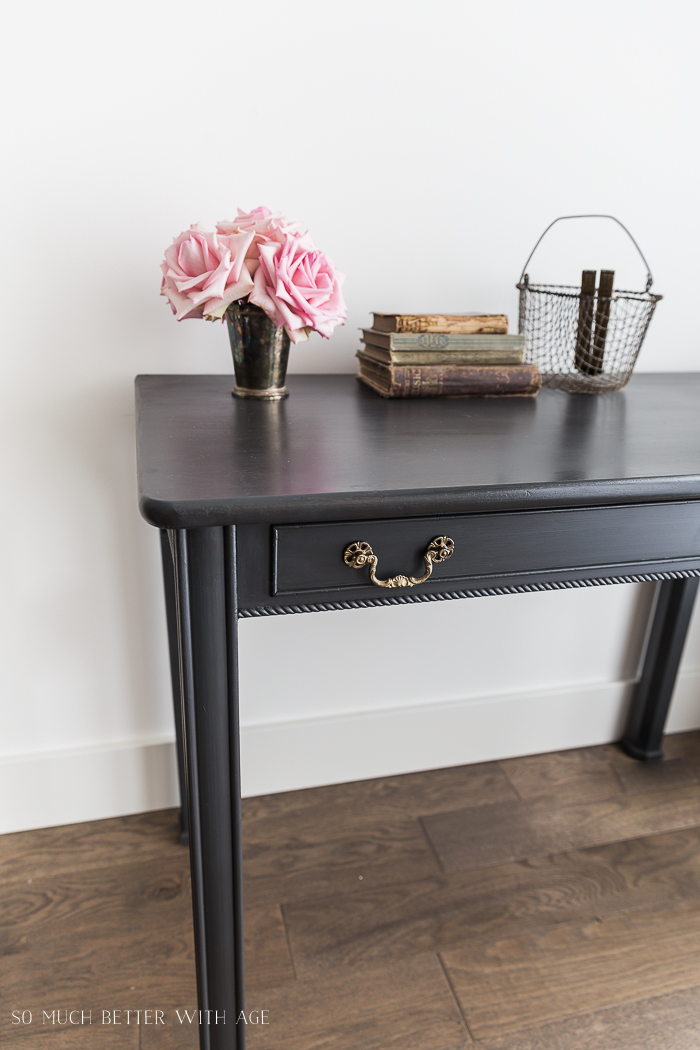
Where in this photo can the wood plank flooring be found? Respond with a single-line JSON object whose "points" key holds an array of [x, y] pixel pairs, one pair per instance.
{"points": [[543, 903]]}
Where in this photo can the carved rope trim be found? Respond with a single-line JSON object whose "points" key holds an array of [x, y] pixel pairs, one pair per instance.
{"points": [[482, 592]]}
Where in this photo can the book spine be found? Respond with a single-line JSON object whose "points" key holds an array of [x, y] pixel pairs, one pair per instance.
{"points": [[431, 381], [458, 357], [486, 323], [435, 341], [436, 357]]}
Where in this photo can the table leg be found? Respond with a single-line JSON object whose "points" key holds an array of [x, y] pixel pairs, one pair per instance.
{"points": [[207, 616], [171, 620], [652, 697]]}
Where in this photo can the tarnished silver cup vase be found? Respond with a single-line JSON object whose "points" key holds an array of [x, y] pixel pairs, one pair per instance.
{"points": [[260, 352]]}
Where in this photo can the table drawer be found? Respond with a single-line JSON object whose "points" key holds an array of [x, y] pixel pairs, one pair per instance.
{"points": [[309, 558]]}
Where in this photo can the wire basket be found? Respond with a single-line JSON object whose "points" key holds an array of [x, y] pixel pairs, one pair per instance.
{"points": [[584, 340]]}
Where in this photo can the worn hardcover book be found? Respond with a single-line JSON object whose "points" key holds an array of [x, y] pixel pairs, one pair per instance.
{"points": [[449, 380], [443, 357], [436, 341], [442, 340], [445, 323]]}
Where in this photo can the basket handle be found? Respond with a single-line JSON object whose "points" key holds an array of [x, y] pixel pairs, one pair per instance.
{"points": [[650, 279]]}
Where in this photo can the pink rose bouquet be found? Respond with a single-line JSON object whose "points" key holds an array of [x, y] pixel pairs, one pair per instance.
{"points": [[259, 256]]}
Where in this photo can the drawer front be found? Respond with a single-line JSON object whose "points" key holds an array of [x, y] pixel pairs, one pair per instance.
{"points": [[309, 558]]}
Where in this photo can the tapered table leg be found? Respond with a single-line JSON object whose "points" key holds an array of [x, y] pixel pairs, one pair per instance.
{"points": [[652, 697], [171, 620], [205, 576]]}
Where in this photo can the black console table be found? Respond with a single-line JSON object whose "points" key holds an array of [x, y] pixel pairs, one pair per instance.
{"points": [[258, 503]]}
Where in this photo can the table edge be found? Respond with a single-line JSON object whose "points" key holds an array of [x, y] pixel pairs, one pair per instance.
{"points": [[349, 506]]}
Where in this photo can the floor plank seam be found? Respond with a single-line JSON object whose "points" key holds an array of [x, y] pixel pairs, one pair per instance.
{"points": [[454, 998], [431, 847], [518, 796], [289, 943], [618, 776]]}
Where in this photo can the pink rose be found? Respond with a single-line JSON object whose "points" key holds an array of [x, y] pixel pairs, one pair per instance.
{"points": [[264, 225], [262, 222], [297, 286], [203, 273]]}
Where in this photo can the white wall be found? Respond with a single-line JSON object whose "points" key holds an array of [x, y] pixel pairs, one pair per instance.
{"points": [[426, 147]]}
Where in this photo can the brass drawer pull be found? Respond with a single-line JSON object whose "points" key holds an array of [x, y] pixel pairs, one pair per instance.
{"points": [[357, 555]]}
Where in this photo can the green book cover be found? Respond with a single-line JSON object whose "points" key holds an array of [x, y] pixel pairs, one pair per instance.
{"points": [[438, 341], [444, 357]]}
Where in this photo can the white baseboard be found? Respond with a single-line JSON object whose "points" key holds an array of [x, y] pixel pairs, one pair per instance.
{"points": [[66, 787], [301, 754]]}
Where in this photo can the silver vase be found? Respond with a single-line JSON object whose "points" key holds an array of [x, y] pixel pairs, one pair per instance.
{"points": [[260, 352]]}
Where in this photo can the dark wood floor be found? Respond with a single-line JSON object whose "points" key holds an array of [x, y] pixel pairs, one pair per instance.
{"points": [[542, 903]]}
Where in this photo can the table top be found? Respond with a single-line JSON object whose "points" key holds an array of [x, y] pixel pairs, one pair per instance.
{"points": [[334, 450]]}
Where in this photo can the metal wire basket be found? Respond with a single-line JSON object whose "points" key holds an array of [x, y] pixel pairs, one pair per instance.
{"points": [[584, 340]]}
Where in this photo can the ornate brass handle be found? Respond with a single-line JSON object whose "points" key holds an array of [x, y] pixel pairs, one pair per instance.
{"points": [[357, 555]]}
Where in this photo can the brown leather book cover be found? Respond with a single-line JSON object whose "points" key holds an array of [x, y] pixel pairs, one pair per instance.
{"points": [[450, 380], [455, 324]]}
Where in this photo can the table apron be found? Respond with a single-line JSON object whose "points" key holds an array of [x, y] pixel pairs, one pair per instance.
{"points": [[286, 568]]}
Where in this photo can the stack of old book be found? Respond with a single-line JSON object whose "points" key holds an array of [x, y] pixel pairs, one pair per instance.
{"points": [[445, 355]]}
